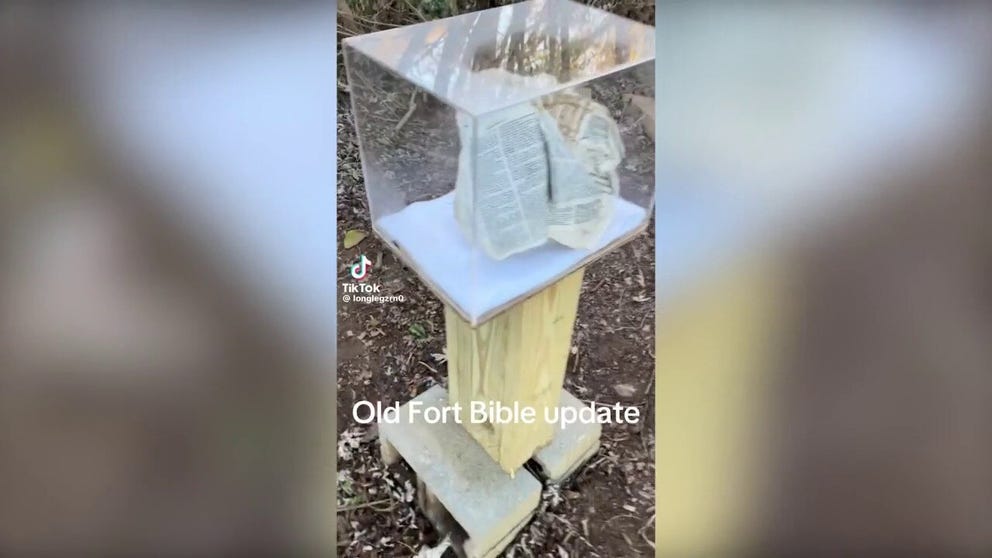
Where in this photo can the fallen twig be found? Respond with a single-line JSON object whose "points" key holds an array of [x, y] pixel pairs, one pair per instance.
{"points": [[642, 530], [365, 505], [409, 112]]}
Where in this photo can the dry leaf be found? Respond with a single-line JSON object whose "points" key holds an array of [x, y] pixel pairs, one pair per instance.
{"points": [[437, 551], [645, 108], [624, 390], [353, 237]]}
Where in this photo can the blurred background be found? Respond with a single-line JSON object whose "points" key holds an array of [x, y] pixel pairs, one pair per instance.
{"points": [[167, 278], [824, 279]]}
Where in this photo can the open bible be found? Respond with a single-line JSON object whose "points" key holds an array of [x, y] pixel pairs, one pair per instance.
{"points": [[537, 171]]}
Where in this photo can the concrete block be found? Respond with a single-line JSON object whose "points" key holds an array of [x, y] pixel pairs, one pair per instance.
{"points": [[571, 446], [387, 452], [487, 504]]}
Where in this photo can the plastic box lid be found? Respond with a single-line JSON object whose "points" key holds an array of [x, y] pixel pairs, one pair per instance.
{"points": [[576, 43]]}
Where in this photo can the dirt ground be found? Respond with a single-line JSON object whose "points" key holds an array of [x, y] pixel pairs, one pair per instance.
{"points": [[606, 510], [392, 352]]}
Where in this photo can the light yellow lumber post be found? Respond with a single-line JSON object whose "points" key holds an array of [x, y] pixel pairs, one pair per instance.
{"points": [[519, 356], [716, 352]]}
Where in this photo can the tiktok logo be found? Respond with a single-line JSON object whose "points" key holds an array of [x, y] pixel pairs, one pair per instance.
{"points": [[360, 269]]}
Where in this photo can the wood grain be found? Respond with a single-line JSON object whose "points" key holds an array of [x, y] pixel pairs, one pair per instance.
{"points": [[518, 356]]}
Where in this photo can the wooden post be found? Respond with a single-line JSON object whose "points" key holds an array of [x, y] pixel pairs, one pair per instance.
{"points": [[517, 357], [716, 351]]}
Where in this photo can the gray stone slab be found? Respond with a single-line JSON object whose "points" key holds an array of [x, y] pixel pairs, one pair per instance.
{"points": [[571, 445], [486, 502]]}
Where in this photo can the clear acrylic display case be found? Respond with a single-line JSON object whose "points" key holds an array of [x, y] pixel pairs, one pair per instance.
{"points": [[500, 148]]}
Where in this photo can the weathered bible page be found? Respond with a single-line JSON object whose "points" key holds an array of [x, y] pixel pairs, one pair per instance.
{"points": [[540, 171], [584, 147], [505, 210]]}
